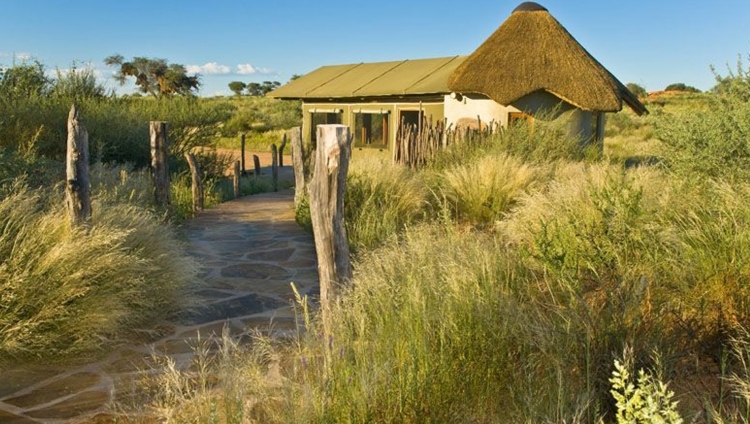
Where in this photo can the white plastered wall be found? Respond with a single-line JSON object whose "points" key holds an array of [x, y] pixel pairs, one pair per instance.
{"points": [[463, 110]]}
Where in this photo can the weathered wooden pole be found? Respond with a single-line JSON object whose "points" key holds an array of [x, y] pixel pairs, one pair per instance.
{"points": [[281, 151], [78, 188], [197, 187], [256, 163], [275, 167], [327, 188], [242, 152], [160, 161], [298, 160], [236, 179]]}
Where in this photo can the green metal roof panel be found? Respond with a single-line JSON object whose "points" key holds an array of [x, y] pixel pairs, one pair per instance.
{"points": [[421, 76], [347, 84], [437, 80], [400, 79], [299, 88]]}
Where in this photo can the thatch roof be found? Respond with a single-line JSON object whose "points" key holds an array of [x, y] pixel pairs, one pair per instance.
{"points": [[532, 51]]}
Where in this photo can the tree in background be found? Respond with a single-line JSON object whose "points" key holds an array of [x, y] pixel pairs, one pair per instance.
{"points": [[155, 76], [637, 89], [237, 87], [24, 80], [261, 89], [77, 83], [678, 86]]}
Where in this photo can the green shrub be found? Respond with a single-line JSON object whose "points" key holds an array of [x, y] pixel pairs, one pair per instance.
{"points": [[260, 114], [646, 400], [712, 144], [680, 86], [637, 89]]}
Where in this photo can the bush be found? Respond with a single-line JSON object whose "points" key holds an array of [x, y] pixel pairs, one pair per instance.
{"points": [[713, 144], [482, 192], [679, 86], [637, 89], [645, 400], [69, 295]]}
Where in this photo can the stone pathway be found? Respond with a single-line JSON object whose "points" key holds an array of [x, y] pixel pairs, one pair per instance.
{"points": [[249, 250]]}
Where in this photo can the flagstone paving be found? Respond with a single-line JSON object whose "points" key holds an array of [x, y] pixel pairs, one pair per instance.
{"points": [[249, 251]]}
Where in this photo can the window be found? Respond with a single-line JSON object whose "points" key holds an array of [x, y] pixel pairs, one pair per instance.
{"points": [[371, 129], [516, 118], [318, 117], [410, 117]]}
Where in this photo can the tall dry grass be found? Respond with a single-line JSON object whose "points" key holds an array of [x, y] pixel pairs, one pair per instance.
{"points": [[481, 192], [448, 322], [67, 294], [381, 200]]}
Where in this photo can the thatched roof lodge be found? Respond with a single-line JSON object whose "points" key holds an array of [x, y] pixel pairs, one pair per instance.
{"points": [[530, 66]]}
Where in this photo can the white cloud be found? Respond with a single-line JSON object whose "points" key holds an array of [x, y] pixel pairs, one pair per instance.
{"points": [[81, 67], [23, 56], [248, 69], [210, 68], [65, 72]]}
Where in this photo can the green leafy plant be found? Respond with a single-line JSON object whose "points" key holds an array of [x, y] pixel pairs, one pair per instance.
{"points": [[647, 400]]}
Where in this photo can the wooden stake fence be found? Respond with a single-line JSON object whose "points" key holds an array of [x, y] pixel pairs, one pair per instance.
{"points": [[242, 152], [281, 151], [160, 161], [327, 189], [256, 163], [78, 188], [236, 179], [275, 167], [298, 160], [417, 144], [197, 186]]}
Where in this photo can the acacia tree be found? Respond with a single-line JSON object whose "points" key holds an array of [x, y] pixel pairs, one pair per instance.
{"points": [[237, 87], [155, 76], [258, 89]]}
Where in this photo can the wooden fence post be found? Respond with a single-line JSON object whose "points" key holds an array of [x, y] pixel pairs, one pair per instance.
{"points": [[197, 188], [275, 167], [281, 151], [160, 161], [78, 188], [237, 179], [327, 188], [298, 160], [242, 152], [256, 162]]}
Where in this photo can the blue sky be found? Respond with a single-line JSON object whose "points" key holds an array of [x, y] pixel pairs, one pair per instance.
{"points": [[649, 42]]}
